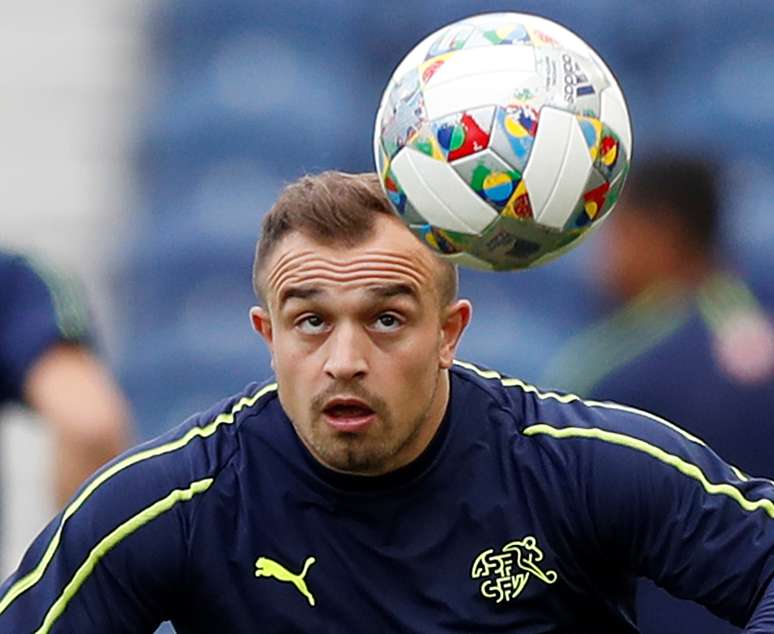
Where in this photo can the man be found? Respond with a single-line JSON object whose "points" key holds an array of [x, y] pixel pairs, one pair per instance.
{"points": [[380, 486], [46, 364], [688, 341]]}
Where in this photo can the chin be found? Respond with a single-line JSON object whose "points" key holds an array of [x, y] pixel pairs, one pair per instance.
{"points": [[356, 462]]}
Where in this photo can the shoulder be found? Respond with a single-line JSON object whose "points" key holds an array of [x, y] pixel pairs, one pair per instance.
{"points": [[616, 339], [42, 298], [30, 278], [531, 403], [43, 308], [207, 441], [158, 483], [187, 458], [564, 422], [21, 281], [13, 264]]}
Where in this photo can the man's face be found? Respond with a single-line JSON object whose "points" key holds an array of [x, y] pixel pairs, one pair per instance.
{"points": [[359, 345]]}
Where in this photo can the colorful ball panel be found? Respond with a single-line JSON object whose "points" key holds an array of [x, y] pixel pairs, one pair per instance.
{"points": [[426, 141], [606, 177], [590, 203], [611, 158], [464, 133], [490, 177], [510, 243], [456, 248], [450, 39], [513, 134], [444, 241], [616, 117], [404, 115]]}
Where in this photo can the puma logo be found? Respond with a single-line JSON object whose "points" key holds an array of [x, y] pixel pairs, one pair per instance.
{"points": [[265, 567]]}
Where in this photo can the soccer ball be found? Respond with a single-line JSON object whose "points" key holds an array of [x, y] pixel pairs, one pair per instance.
{"points": [[502, 140]]}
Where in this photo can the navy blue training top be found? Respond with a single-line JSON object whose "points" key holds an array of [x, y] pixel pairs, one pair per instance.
{"points": [[529, 512], [38, 309]]}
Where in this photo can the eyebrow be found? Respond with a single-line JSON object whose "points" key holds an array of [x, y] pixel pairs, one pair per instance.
{"points": [[299, 292], [382, 291], [385, 291]]}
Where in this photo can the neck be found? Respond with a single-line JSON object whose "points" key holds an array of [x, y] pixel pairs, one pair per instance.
{"points": [[434, 416], [426, 429]]}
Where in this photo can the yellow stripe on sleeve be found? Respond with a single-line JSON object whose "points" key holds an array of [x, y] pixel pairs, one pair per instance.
{"points": [[226, 418], [683, 466], [484, 374], [110, 541], [570, 398]]}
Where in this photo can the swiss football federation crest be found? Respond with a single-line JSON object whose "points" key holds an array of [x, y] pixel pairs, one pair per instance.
{"points": [[505, 574]]}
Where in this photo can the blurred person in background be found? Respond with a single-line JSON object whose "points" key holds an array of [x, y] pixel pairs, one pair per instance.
{"points": [[47, 364], [687, 340]]}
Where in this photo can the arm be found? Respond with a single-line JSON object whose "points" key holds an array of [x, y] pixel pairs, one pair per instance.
{"points": [[691, 523], [658, 503], [761, 621], [45, 362], [78, 399]]}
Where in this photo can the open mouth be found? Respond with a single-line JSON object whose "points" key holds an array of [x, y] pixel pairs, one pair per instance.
{"points": [[348, 414], [348, 411]]}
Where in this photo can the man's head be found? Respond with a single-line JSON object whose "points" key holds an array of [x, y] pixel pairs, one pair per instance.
{"points": [[332, 208], [361, 319], [664, 228]]}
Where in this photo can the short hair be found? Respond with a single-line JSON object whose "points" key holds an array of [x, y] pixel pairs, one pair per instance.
{"points": [[682, 187], [332, 208]]}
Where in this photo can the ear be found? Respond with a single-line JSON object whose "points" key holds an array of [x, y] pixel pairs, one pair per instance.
{"points": [[261, 321], [456, 318]]}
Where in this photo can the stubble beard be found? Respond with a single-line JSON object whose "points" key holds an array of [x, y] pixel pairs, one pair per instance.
{"points": [[374, 452]]}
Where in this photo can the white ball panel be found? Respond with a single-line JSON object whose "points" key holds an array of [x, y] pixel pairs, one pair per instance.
{"points": [[616, 117], [471, 92], [487, 59], [478, 76], [558, 167], [444, 199], [570, 180], [542, 170]]}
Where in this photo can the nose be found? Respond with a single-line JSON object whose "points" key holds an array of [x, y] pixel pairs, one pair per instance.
{"points": [[346, 357]]}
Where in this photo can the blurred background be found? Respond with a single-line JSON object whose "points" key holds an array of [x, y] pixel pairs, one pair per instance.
{"points": [[141, 142]]}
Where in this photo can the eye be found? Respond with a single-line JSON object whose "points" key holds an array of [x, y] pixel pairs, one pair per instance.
{"points": [[387, 322], [311, 324]]}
